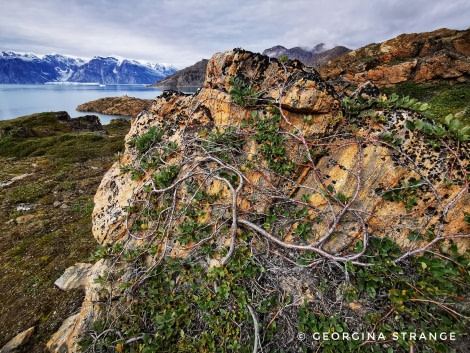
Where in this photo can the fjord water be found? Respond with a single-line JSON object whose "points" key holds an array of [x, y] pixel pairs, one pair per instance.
{"points": [[20, 100]]}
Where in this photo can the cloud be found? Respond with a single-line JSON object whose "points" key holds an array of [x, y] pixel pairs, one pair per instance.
{"points": [[183, 32]]}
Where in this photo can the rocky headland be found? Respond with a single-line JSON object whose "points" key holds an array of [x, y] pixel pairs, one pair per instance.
{"points": [[124, 105], [264, 199]]}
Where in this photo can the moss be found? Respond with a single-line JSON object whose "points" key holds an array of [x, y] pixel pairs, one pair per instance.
{"points": [[68, 148], [422, 92], [38, 125], [43, 135], [443, 98], [28, 193], [37, 248], [452, 100], [118, 127]]}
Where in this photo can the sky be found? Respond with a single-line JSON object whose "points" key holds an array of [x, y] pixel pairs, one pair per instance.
{"points": [[182, 32]]}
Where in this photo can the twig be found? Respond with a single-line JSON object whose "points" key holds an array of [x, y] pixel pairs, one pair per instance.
{"points": [[256, 325]]}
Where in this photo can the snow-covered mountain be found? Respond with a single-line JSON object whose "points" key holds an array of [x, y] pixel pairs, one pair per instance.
{"points": [[30, 68]]}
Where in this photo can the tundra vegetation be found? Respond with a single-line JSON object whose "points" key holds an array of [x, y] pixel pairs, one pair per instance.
{"points": [[213, 262], [45, 217]]}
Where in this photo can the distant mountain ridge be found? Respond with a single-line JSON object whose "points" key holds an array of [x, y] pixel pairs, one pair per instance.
{"points": [[28, 68], [296, 53], [324, 57], [191, 76]]}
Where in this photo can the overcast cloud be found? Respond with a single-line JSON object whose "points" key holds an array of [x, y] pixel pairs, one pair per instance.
{"points": [[182, 32]]}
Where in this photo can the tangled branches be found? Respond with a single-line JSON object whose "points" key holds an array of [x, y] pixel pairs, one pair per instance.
{"points": [[274, 222]]}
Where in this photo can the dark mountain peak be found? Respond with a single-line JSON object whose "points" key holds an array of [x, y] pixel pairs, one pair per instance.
{"points": [[326, 56], [320, 47], [302, 54], [191, 76]]}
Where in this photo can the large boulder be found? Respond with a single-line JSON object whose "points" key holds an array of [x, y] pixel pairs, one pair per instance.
{"points": [[265, 139], [15, 345]]}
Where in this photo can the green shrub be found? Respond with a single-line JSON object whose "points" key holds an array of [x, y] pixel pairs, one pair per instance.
{"points": [[29, 193]]}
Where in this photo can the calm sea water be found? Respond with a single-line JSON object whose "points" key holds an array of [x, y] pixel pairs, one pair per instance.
{"points": [[20, 100]]}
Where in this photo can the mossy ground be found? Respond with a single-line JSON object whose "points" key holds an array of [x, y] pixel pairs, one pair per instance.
{"points": [[38, 244], [443, 98]]}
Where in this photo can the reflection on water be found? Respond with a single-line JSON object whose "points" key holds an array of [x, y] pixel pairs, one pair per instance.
{"points": [[20, 100]]}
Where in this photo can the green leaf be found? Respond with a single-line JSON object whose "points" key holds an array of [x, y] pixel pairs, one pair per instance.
{"points": [[455, 125], [467, 217], [465, 130], [448, 119], [413, 236], [462, 137], [410, 125], [419, 124], [423, 107], [372, 292]]}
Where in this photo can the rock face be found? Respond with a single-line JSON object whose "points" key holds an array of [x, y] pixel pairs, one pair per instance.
{"points": [[194, 76], [15, 345], [66, 339], [442, 55], [191, 76], [74, 277], [85, 123], [287, 146], [128, 106]]}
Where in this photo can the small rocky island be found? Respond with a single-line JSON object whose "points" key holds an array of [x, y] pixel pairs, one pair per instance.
{"points": [[124, 105]]}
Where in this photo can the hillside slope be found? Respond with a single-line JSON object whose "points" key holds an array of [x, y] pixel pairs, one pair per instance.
{"points": [[430, 57], [50, 168]]}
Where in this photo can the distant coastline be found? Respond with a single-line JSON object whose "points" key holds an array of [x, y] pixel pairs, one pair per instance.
{"points": [[19, 100]]}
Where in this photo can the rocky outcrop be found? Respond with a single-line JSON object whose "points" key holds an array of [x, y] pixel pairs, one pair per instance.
{"points": [[194, 76], [85, 123], [438, 56], [67, 338], [16, 344], [191, 76], [283, 145], [124, 105], [49, 124], [74, 277]]}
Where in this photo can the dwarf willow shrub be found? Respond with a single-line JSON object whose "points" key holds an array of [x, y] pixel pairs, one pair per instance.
{"points": [[199, 302]]}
